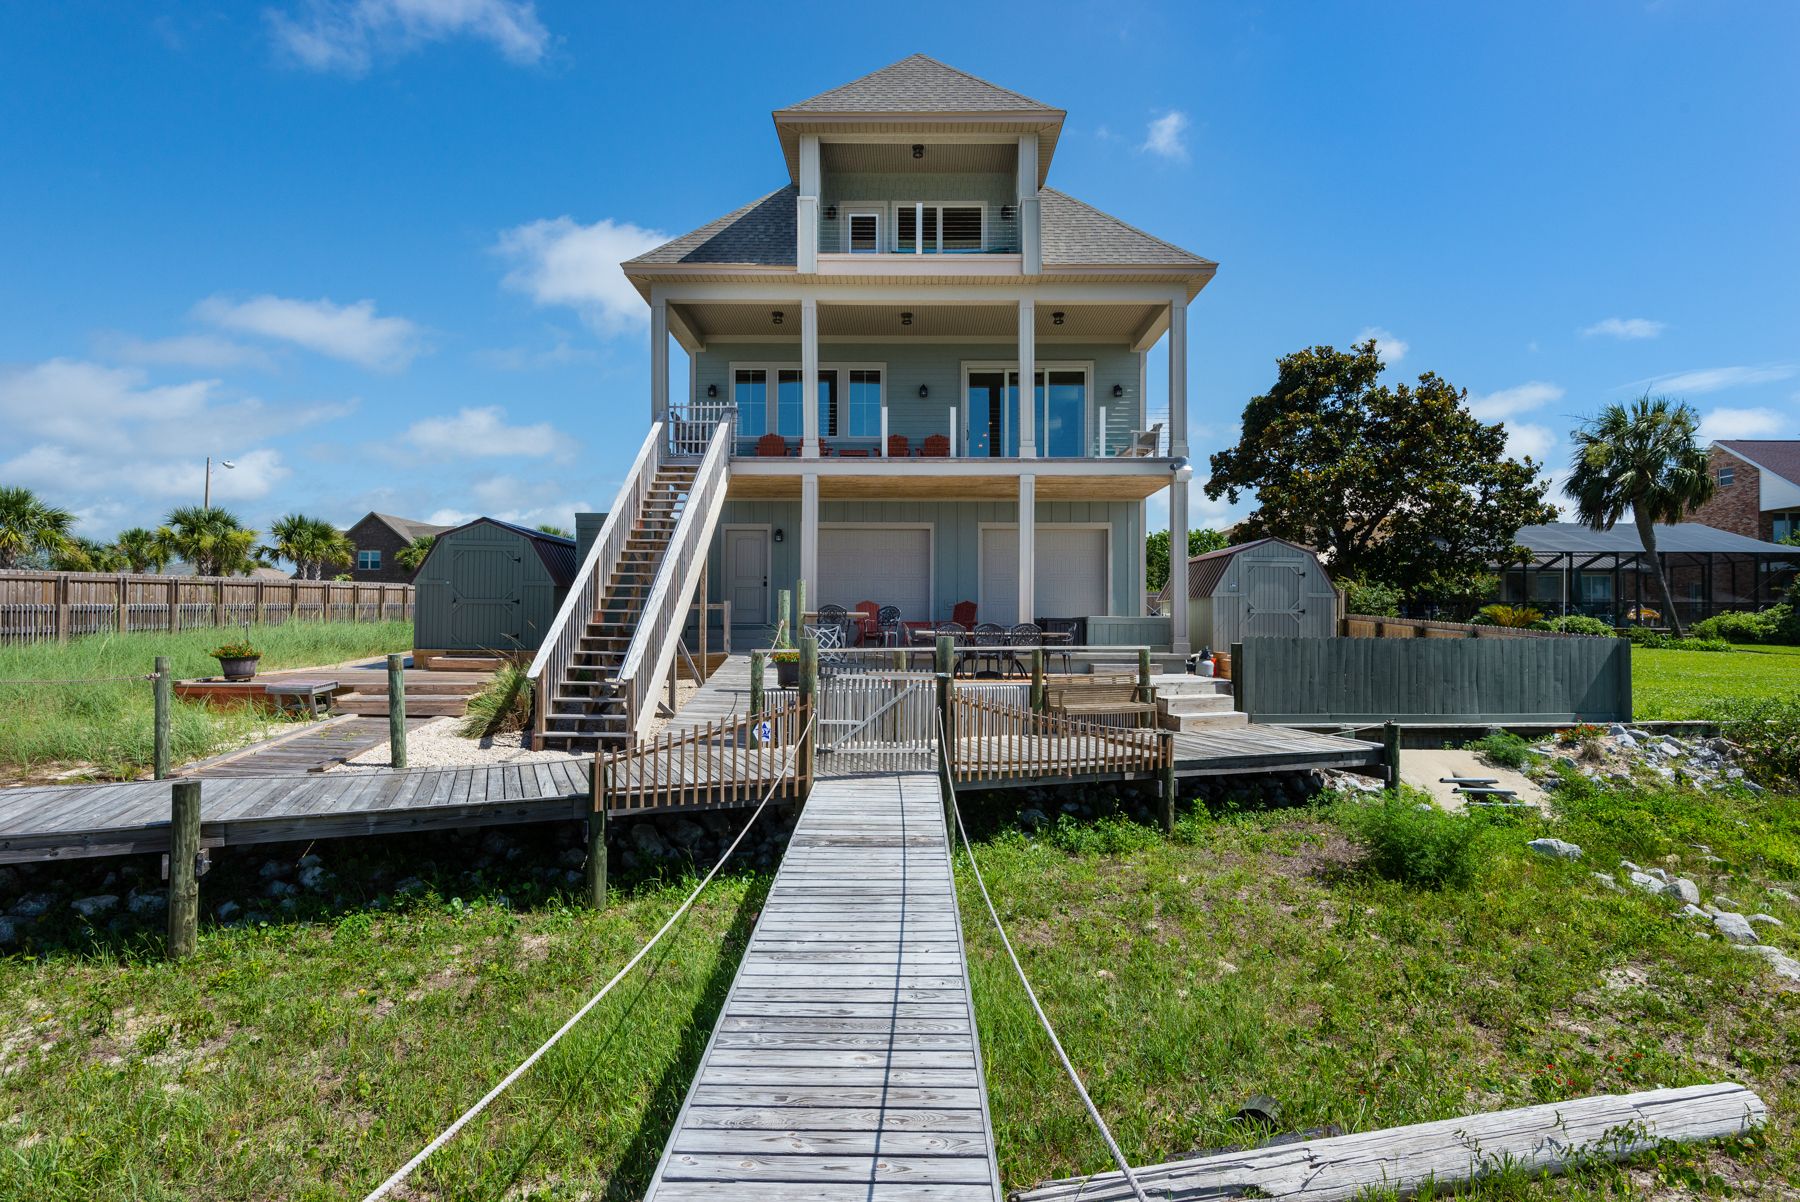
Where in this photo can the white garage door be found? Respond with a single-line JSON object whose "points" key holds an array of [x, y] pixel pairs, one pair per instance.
{"points": [[884, 564], [1071, 573]]}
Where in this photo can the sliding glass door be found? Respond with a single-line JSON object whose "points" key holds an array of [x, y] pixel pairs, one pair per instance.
{"points": [[1059, 405]]}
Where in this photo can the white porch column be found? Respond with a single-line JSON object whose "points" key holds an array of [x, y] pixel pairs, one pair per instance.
{"points": [[1178, 487], [806, 253], [1178, 425], [1027, 375], [809, 541], [1027, 548], [659, 359], [1030, 246], [809, 379]]}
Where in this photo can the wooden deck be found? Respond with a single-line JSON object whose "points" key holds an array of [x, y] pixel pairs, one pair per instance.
{"points": [[305, 749], [845, 1065]]}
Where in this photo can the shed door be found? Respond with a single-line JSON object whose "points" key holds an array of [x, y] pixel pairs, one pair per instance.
{"points": [[1274, 598], [889, 565], [486, 595]]}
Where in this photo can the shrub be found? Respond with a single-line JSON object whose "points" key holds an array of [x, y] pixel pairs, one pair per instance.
{"points": [[1577, 624], [1520, 616], [1375, 600], [1505, 749], [235, 651], [503, 705], [1767, 732], [1414, 842], [1643, 636], [1777, 624]]}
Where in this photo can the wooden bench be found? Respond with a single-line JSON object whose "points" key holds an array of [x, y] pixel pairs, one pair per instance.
{"points": [[307, 697], [1100, 696]]}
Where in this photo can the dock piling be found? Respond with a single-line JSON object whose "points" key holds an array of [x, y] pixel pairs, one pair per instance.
{"points": [[184, 868], [396, 666], [164, 689]]}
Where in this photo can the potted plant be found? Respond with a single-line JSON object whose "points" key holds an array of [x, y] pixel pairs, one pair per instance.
{"points": [[237, 661], [787, 667]]}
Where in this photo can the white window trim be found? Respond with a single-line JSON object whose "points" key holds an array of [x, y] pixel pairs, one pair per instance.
{"points": [[940, 205], [771, 397], [981, 567], [1089, 420], [851, 213]]}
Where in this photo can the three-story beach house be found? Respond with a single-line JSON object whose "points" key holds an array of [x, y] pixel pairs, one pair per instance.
{"points": [[917, 378]]}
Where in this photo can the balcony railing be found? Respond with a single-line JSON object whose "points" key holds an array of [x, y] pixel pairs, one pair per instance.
{"points": [[690, 427]]}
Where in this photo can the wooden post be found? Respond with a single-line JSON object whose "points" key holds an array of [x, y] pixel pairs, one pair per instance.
{"points": [[944, 662], [163, 689], [1390, 752], [218, 591], [1240, 681], [396, 665], [261, 602], [184, 868], [174, 604], [61, 589], [705, 621], [1144, 675], [756, 695], [596, 835], [809, 698], [784, 632], [1168, 782], [119, 620], [1038, 699]]}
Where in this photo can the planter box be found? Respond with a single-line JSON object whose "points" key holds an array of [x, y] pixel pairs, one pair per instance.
{"points": [[238, 668], [787, 675]]}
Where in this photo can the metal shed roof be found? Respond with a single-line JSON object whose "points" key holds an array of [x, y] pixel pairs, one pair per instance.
{"points": [[1691, 538], [1205, 571]]}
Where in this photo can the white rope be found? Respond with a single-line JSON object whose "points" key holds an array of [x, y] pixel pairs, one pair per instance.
{"points": [[449, 1133], [1112, 1145]]}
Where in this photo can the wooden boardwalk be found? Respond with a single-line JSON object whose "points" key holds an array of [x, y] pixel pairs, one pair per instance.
{"points": [[304, 749], [845, 1065]]}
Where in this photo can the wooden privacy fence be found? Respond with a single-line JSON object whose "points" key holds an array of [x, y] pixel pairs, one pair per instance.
{"points": [[1368, 626], [994, 741], [723, 763], [52, 606], [1326, 681]]}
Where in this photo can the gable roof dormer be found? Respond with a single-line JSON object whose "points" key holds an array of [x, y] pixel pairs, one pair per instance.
{"points": [[918, 95]]}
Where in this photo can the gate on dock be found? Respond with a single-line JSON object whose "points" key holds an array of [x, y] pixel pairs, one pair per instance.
{"points": [[876, 722]]}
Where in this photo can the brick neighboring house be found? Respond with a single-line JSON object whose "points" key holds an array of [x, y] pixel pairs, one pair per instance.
{"points": [[378, 538], [1758, 493]]}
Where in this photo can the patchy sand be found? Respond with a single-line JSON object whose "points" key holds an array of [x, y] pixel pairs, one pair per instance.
{"points": [[1425, 769], [436, 744]]}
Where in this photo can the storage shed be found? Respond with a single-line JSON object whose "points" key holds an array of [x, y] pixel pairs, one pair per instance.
{"points": [[1266, 588], [490, 586]]}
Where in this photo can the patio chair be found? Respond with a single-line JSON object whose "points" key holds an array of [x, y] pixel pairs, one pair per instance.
{"points": [[989, 638], [1068, 626], [838, 616], [935, 446], [887, 622], [772, 446], [1143, 444], [831, 644], [898, 446], [1023, 634], [865, 620], [963, 612]]}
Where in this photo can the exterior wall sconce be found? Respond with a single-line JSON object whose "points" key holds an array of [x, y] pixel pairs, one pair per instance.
{"points": [[778, 534], [924, 392], [906, 318], [712, 390], [918, 151], [775, 316], [1118, 390], [1006, 212], [1056, 318], [831, 212]]}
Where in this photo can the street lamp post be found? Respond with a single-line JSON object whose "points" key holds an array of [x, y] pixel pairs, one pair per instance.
{"points": [[206, 494]]}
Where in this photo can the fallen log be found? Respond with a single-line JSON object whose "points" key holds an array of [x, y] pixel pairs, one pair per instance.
{"points": [[1447, 1153]]}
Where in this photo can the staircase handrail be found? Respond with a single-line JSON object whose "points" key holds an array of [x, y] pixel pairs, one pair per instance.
{"points": [[677, 575], [557, 651]]}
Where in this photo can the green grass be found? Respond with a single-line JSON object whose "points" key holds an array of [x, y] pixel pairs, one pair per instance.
{"points": [[309, 1060], [1698, 684], [1257, 954], [109, 725]]}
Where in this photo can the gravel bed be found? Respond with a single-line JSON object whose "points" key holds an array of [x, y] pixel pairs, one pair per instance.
{"points": [[436, 744]]}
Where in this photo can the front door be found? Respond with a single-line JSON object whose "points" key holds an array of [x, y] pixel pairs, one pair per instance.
{"points": [[747, 574]]}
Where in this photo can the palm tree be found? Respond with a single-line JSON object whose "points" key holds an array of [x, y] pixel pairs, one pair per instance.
{"points": [[412, 555], [1645, 457], [310, 544], [142, 549], [210, 538], [87, 555], [28, 526]]}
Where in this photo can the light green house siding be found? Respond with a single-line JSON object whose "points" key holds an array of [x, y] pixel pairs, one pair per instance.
{"points": [[956, 542], [938, 367], [862, 192]]}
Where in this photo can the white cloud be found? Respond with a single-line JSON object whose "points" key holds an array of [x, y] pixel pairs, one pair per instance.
{"points": [[1717, 379], [527, 502], [348, 35], [1391, 348], [1525, 439], [1626, 329], [1523, 398], [352, 332], [209, 352], [1743, 423], [1165, 136], [484, 432], [559, 261]]}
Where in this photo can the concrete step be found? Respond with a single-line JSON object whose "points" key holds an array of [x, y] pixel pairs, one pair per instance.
{"points": [[1194, 723], [376, 705], [1171, 684], [1182, 705]]}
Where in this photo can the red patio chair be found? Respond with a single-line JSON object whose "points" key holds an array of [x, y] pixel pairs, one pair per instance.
{"points": [[936, 446], [963, 614], [772, 446], [868, 617], [898, 446]]}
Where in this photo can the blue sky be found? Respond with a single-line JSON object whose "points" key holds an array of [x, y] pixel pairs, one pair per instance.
{"points": [[363, 247]]}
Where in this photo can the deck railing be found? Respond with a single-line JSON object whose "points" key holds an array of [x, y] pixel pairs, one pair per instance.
{"points": [[994, 741], [653, 643], [719, 764], [551, 664]]}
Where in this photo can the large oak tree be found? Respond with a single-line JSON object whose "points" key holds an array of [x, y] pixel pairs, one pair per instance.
{"points": [[1392, 484]]}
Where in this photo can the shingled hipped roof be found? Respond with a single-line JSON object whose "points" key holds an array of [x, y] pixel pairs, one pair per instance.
{"points": [[920, 84]]}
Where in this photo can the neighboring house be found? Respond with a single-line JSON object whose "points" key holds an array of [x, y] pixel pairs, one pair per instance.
{"points": [[1758, 493], [378, 538], [914, 268]]}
